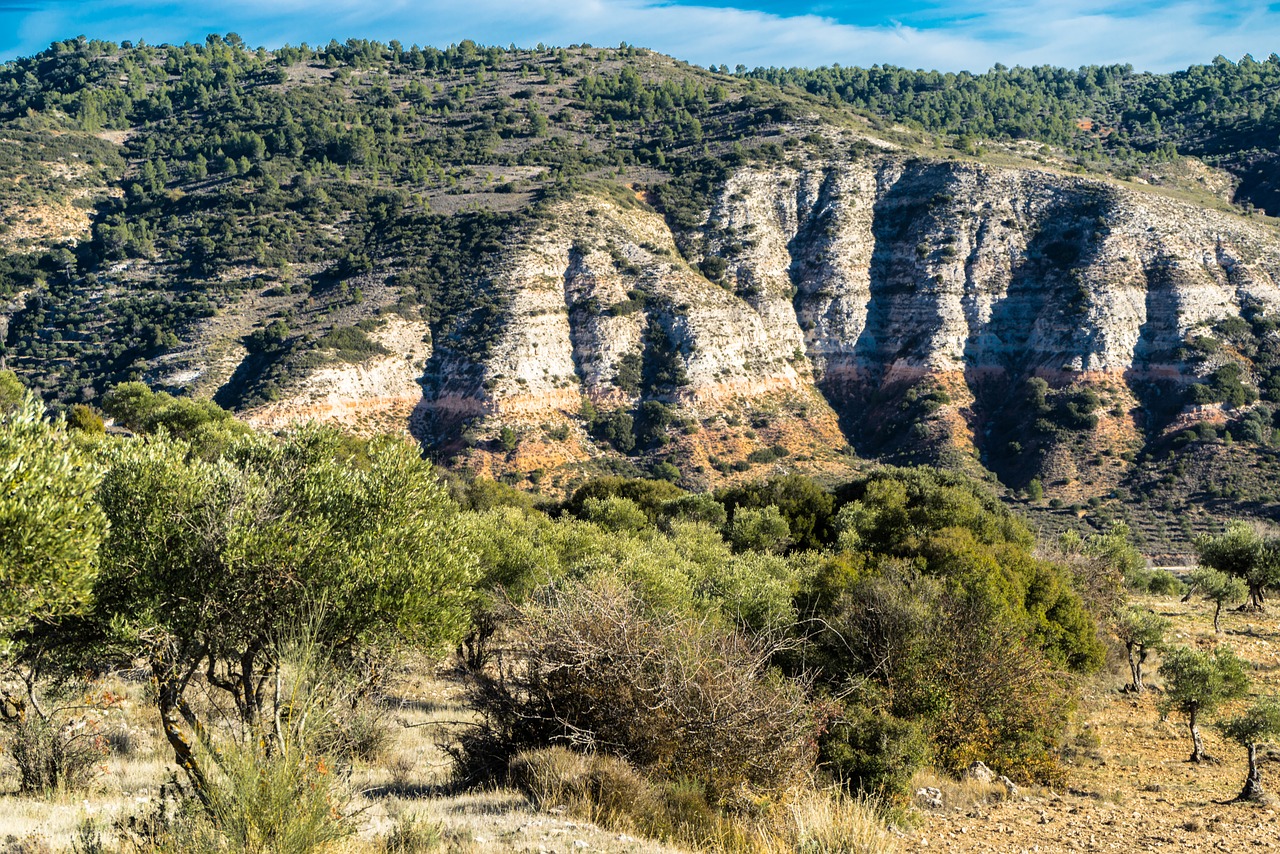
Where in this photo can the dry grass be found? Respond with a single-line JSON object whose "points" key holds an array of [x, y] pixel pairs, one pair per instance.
{"points": [[401, 795], [961, 794]]}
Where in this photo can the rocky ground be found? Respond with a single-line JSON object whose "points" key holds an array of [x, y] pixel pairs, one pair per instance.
{"points": [[1130, 786]]}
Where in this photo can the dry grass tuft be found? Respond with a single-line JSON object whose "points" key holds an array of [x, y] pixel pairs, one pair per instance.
{"points": [[609, 792], [963, 794]]}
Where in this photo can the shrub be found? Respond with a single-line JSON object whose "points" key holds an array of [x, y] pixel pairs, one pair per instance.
{"points": [[758, 530], [54, 756], [695, 508], [600, 788], [872, 751], [615, 513], [411, 836], [761, 456], [609, 792], [593, 668], [1164, 583], [805, 505], [650, 495], [666, 470], [617, 428], [82, 417], [919, 548]]}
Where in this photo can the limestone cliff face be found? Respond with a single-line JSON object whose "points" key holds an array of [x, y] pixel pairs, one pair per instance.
{"points": [[824, 300], [377, 395], [918, 266]]}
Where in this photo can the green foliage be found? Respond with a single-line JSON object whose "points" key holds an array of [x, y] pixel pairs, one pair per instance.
{"points": [[1140, 631], [1260, 722], [351, 343], [616, 427], [1197, 682], [1225, 386], [484, 494], [630, 365], [615, 513], [202, 422], [50, 527], [666, 470], [919, 548], [508, 440], [260, 538], [874, 751], [651, 496], [1208, 110], [13, 393], [764, 530], [1243, 553], [81, 417], [697, 507], [1164, 583], [806, 506], [1217, 587]]}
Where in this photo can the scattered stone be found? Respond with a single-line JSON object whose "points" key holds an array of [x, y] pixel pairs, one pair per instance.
{"points": [[1010, 788], [980, 772], [929, 797]]}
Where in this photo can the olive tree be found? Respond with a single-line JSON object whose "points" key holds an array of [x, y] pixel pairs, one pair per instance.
{"points": [[1243, 553], [1260, 722], [1219, 588], [1140, 631], [1198, 682], [209, 562], [50, 526]]}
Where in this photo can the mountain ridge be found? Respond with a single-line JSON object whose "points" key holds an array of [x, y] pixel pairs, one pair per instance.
{"points": [[545, 265]]}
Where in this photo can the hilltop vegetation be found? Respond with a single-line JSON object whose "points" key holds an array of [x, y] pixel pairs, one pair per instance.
{"points": [[227, 223], [1227, 113]]}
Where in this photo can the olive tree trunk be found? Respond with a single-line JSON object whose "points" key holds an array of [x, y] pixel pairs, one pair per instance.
{"points": [[1197, 744], [1135, 668], [1252, 790]]}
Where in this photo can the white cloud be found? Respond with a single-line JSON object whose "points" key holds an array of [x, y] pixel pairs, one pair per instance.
{"points": [[1156, 36]]}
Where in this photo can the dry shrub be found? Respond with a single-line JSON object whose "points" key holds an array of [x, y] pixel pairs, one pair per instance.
{"points": [[607, 791], [53, 756], [410, 835], [675, 695], [960, 793], [602, 789]]}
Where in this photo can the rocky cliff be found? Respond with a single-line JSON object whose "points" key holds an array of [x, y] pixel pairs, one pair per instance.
{"points": [[894, 302]]}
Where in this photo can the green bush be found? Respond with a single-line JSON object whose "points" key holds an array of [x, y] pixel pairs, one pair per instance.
{"points": [[1163, 583], [616, 427], [83, 418], [758, 530], [872, 751]]}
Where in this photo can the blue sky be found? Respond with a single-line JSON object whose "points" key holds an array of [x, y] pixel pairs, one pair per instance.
{"points": [[1157, 35]]}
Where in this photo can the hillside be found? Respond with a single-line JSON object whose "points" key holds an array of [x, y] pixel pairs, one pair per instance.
{"points": [[548, 264]]}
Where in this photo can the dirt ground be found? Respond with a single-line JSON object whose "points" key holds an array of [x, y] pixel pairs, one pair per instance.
{"points": [[1130, 787]]}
